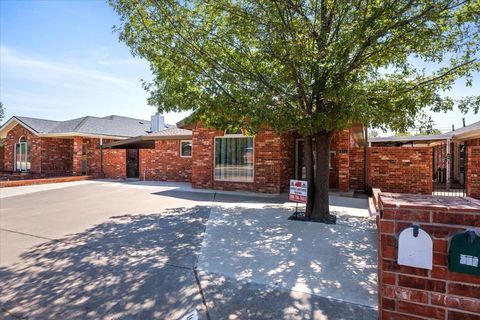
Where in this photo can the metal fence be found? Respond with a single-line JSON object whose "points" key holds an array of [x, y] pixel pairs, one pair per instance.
{"points": [[449, 169]]}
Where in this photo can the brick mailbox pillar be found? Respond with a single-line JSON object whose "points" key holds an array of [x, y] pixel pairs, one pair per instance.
{"points": [[414, 293]]}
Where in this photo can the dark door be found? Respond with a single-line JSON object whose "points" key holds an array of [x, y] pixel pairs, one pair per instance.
{"points": [[132, 163]]}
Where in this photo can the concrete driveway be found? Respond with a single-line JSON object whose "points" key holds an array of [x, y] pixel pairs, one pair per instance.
{"points": [[108, 250]]}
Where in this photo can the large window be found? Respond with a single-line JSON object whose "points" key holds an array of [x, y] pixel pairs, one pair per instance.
{"points": [[22, 155], [234, 158]]}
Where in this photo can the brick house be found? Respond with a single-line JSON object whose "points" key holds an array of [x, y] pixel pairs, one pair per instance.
{"points": [[45, 148], [232, 161]]}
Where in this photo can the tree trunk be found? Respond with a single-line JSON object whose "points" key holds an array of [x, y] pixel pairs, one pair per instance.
{"points": [[321, 209], [308, 157]]}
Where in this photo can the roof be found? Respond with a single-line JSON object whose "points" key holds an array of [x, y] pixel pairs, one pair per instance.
{"points": [[472, 130], [112, 126], [147, 141], [171, 132]]}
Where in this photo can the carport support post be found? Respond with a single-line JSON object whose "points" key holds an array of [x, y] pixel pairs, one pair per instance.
{"points": [[101, 157]]}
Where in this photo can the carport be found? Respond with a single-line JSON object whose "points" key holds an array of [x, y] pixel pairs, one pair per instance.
{"points": [[154, 151]]}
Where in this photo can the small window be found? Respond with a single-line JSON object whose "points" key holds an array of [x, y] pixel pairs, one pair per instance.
{"points": [[186, 148]]}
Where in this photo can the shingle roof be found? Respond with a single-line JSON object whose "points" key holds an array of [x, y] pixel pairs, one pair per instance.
{"points": [[112, 125], [170, 132], [38, 125]]}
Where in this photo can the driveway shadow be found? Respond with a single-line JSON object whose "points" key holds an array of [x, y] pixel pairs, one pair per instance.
{"points": [[130, 267]]}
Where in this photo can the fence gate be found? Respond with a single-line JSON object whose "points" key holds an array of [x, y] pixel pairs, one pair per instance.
{"points": [[449, 169]]}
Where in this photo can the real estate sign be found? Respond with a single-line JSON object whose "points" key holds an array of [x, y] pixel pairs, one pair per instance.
{"points": [[298, 191]]}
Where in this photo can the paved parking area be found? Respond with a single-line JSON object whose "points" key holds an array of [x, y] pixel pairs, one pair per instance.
{"points": [[107, 250]]}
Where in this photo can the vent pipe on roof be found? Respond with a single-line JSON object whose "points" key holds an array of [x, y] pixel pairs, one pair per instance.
{"points": [[463, 119], [157, 122]]}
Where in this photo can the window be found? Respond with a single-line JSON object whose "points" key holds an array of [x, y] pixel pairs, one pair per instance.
{"points": [[22, 155], [185, 148], [234, 159]]}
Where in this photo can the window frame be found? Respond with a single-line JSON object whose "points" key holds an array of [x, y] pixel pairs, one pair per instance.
{"points": [[191, 149], [233, 136], [26, 155]]}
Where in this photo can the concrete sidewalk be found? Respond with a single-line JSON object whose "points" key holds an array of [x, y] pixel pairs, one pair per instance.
{"points": [[255, 243]]}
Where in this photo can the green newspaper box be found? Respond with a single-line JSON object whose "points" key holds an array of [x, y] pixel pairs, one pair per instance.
{"points": [[464, 255]]}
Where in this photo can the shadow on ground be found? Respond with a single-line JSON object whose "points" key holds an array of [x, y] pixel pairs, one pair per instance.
{"points": [[141, 267], [130, 267], [259, 245]]}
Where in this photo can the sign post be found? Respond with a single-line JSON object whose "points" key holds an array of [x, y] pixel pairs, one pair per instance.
{"points": [[298, 193]]}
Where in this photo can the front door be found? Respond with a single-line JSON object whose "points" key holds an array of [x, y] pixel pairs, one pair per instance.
{"points": [[300, 169], [132, 163]]}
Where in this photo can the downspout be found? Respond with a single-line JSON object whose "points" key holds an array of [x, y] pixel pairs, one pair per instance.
{"points": [[365, 155]]}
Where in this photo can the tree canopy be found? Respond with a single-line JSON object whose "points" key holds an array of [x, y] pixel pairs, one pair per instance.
{"points": [[312, 65], [317, 66]]}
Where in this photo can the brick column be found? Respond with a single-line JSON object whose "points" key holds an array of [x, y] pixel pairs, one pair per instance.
{"points": [[202, 158], [473, 172], [77, 156], [343, 145], [414, 293]]}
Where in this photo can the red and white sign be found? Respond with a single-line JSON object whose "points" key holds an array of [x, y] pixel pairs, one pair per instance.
{"points": [[298, 191]]}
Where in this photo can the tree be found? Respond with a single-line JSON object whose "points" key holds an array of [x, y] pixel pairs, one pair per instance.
{"points": [[314, 65]]}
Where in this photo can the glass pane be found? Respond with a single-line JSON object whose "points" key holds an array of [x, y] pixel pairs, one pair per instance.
{"points": [[23, 153], [234, 159], [27, 156], [17, 157], [186, 148]]}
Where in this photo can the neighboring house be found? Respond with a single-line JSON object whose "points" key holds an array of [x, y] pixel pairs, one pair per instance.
{"points": [[455, 158], [46, 148]]}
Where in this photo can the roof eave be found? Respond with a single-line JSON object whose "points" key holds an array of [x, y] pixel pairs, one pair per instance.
{"points": [[11, 123]]}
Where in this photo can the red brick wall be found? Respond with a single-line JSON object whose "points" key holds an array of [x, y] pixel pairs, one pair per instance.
{"points": [[114, 163], [413, 293], [288, 149], [473, 171], [93, 156], [343, 160], [164, 162], [271, 163], [56, 155], [474, 142], [405, 169], [357, 168]]}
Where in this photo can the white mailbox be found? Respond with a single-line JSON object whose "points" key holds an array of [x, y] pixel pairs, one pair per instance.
{"points": [[415, 248]]}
